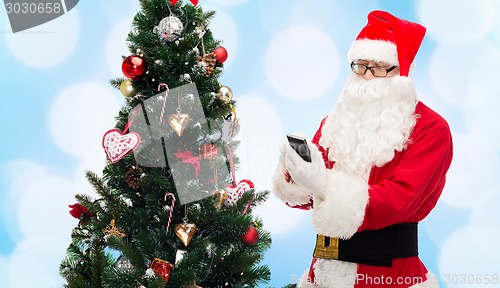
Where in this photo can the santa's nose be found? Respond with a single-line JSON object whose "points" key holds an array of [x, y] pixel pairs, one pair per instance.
{"points": [[367, 76]]}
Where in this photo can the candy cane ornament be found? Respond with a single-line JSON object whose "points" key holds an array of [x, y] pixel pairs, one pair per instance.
{"points": [[164, 100], [171, 210]]}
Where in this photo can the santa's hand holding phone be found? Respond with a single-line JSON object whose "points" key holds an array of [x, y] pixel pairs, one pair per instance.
{"points": [[309, 175]]}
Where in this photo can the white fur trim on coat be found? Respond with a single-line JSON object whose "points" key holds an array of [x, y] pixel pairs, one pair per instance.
{"points": [[291, 193], [305, 282], [344, 275], [431, 282], [377, 50], [343, 209], [331, 273]]}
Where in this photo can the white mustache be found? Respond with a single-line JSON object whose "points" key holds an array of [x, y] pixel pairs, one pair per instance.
{"points": [[369, 90]]}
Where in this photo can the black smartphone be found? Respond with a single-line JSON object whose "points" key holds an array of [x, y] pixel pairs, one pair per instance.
{"points": [[299, 144]]}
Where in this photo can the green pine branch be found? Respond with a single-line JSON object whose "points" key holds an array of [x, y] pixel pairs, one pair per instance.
{"points": [[216, 255]]}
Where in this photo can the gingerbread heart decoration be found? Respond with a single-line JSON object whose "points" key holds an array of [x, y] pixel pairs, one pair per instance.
{"points": [[234, 193], [185, 232], [117, 145], [179, 122]]}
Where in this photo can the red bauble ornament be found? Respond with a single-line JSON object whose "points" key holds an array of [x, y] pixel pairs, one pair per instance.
{"points": [[251, 237], [134, 67], [221, 54]]}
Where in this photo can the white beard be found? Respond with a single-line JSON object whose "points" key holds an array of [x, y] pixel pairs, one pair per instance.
{"points": [[372, 119]]}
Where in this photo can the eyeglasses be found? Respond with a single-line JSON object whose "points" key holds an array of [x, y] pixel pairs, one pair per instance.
{"points": [[377, 71]]}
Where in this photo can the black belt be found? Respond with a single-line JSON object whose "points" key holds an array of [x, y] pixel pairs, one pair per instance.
{"points": [[371, 247]]}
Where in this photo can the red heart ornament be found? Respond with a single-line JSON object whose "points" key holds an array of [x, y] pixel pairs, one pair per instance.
{"points": [[234, 193], [117, 145]]}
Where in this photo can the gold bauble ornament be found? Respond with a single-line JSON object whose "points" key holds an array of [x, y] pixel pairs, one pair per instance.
{"points": [[225, 94], [127, 89]]}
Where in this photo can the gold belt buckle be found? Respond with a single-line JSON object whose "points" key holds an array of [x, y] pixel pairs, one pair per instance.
{"points": [[326, 247]]}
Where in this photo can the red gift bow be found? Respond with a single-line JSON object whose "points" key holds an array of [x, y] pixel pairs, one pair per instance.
{"points": [[173, 2]]}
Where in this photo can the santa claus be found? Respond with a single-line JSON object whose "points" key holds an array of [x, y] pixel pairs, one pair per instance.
{"points": [[378, 167]]}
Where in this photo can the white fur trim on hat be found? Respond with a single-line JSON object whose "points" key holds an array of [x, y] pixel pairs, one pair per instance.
{"points": [[377, 50], [343, 209], [291, 193]]}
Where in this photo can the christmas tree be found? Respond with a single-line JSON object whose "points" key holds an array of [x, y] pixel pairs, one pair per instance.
{"points": [[168, 210]]}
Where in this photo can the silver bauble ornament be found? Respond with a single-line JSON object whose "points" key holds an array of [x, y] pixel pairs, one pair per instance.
{"points": [[170, 28]]}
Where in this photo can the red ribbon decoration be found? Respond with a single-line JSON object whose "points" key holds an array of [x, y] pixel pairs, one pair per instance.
{"points": [[188, 158], [231, 163], [235, 183], [129, 123], [173, 2]]}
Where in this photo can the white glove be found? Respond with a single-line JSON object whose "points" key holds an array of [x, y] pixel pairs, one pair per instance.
{"points": [[310, 175]]}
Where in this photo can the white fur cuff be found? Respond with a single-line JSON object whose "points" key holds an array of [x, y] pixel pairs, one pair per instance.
{"points": [[343, 209], [291, 193]]}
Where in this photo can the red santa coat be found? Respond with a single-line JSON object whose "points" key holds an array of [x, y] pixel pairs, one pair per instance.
{"points": [[403, 190]]}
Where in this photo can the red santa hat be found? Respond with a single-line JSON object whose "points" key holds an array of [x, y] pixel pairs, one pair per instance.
{"points": [[389, 39]]}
